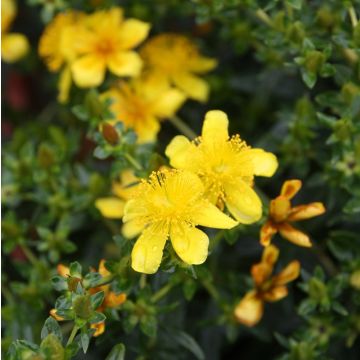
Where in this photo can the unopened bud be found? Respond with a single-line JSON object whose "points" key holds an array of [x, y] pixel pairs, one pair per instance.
{"points": [[110, 134]]}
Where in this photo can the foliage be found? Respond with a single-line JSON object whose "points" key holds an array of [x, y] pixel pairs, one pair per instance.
{"points": [[288, 77]]}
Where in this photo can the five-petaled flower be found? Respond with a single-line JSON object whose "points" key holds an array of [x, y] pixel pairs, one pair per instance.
{"points": [[14, 46], [268, 288], [171, 204], [142, 103], [106, 41], [111, 299], [225, 165], [177, 59], [282, 214]]}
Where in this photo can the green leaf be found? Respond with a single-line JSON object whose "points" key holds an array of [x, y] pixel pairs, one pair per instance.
{"points": [[309, 78], [189, 289], [75, 269], [189, 343], [117, 353], [91, 279], [85, 338], [97, 317], [80, 112], [296, 4], [59, 283], [339, 309], [97, 299], [306, 307], [51, 326], [148, 325]]}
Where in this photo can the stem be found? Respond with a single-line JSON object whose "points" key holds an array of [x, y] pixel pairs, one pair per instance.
{"points": [[183, 128], [216, 239], [29, 254], [162, 292], [263, 16], [325, 260], [353, 17], [212, 290], [133, 161], [72, 335], [142, 281]]}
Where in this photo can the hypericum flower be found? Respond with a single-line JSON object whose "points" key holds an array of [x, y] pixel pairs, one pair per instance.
{"points": [[113, 207], [177, 59], [105, 42], [225, 165], [14, 46], [268, 288], [171, 204], [58, 51], [143, 103], [282, 215], [111, 299]]}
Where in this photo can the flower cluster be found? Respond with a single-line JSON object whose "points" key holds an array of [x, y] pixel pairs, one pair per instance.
{"points": [[155, 82], [211, 171]]}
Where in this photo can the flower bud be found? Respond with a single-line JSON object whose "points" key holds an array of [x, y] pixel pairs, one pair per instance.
{"points": [[110, 134], [314, 61], [355, 279]]}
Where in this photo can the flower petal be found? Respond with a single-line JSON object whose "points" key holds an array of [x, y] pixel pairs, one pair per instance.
{"points": [[133, 208], [63, 270], [193, 86], [55, 316], [113, 300], [201, 64], [275, 293], [268, 230], [177, 152], [308, 211], [131, 229], [99, 328], [261, 272], [13, 47], [103, 271], [290, 188], [148, 250], [110, 207], [250, 309], [280, 208], [243, 202], [263, 163], [125, 63], [289, 273], [190, 243], [270, 255], [133, 32], [168, 103], [210, 216], [215, 127], [88, 71], [293, 235]]}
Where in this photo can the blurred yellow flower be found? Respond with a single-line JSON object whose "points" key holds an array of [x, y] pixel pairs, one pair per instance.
{"points": [[282, 214], [57, 49], [268, 288], [178, 60], [14, 46], [171, 204], [105, 41], [113, 207], [111, 299], [226, 166], [143, 103]]}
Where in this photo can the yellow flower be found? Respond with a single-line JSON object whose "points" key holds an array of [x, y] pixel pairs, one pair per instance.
{"points": [[14, 46], [282, 215], [178, 60], [111, 299], [113, 207], [58, 51], [105, 42], [268, 288], [225, 165], [171, 203], [143, 103]]}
